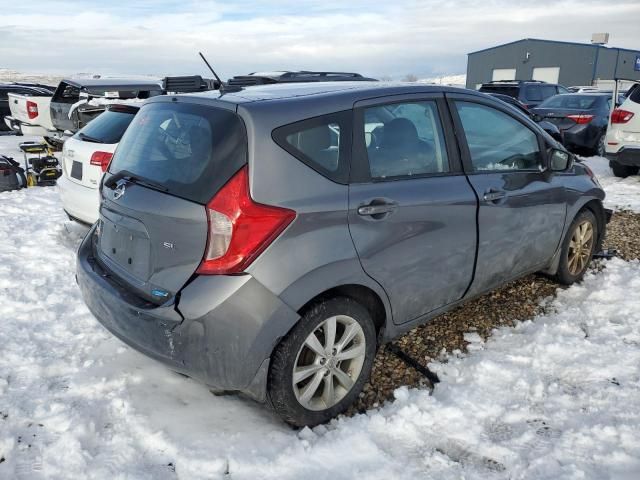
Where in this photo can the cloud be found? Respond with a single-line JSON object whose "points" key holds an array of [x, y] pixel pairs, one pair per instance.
{"points": [[392, 38]]}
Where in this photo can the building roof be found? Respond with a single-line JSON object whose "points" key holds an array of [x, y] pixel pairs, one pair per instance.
{"points": [[552, 41]]}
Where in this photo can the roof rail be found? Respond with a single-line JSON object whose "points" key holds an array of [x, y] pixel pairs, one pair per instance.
{"points": [[516, 81]]}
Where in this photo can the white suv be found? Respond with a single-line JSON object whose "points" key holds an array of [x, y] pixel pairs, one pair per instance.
{"points": [[85, 158], [623, 135]]}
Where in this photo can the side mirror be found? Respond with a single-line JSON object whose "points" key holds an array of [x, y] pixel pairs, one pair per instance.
{"points": [[559, 160]]}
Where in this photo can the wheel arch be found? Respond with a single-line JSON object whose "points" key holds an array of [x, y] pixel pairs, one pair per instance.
{"points": [[364, 295]]}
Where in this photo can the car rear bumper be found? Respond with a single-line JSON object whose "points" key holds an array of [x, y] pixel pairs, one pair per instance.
{"points": [[220, 329], [80, 202], [580, 136], [625, 156]]}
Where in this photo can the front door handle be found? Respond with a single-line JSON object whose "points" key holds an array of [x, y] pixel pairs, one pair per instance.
{"points": [[377, 209], [494, 195]]}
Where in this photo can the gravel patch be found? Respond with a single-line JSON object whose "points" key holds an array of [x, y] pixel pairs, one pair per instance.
{"points": [[445, 334]]}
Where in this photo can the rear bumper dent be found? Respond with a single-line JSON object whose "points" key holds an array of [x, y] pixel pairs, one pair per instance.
{"points": [[221, 331]]}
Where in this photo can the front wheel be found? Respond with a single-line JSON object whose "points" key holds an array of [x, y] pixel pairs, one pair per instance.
{"points": [[578, 248], [320, 367]]}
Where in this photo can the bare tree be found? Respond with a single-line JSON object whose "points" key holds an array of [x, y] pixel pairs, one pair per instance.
{"points": [[410, 78], [386, 78]]}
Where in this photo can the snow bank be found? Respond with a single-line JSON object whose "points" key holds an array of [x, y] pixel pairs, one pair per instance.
{"points": [[554, 398], [622, 193]]}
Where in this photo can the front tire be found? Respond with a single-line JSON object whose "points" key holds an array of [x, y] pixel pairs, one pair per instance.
{"points": [[622, 171], [321, 365], [578, 248]]}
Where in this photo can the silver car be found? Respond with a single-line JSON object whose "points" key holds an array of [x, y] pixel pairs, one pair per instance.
{"points": [[268, 241]]}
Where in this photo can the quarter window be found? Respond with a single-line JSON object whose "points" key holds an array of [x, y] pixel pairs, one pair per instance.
{"points": [[323, 143], [404, 139], [496, 140]]}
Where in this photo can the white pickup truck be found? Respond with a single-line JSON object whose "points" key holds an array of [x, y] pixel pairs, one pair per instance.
{"points": [[74, 104], [30, 114]]}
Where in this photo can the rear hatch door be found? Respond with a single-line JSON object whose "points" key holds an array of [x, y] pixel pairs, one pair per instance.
{"points": [[171, 161]]}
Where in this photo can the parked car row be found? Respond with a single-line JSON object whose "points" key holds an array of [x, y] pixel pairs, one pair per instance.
{"points": [[582, 116]]}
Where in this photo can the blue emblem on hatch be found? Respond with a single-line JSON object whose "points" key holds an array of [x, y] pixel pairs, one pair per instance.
{"points": [[159, 293]]}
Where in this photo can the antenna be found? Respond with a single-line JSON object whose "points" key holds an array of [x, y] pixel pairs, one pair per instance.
{"points": [[212, 70]]}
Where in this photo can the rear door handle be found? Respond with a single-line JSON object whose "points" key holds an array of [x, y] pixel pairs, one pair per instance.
{"points": [[494, 195], [377, 209]]}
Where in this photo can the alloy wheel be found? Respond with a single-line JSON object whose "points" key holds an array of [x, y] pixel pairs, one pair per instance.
{"points": [[329, 363], [580, 248]]}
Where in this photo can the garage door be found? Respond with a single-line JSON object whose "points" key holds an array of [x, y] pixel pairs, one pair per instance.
{"points": [[546, 74], [503, 74]]}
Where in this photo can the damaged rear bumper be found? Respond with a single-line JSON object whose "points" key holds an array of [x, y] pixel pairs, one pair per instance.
{"points": [[219, 329]]}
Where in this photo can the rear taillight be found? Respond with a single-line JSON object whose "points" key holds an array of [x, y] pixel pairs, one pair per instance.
{"points": [[32, 109], [101, 159], [621, 116], [580, 119], [5, 170], [239, 228]]}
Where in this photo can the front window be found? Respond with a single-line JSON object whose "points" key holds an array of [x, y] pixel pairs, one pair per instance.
{"points": [[496, 140]]}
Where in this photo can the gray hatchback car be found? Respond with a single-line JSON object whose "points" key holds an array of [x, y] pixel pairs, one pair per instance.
{"points": [[268, 241]]}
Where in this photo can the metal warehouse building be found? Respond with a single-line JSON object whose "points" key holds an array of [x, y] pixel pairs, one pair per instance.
{"points": [[565, 63]]}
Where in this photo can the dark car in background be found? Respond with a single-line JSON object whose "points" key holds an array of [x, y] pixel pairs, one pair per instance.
{"points": [[269, 240], [581, 117], [548, 127], [22, 89], [529, 92]]}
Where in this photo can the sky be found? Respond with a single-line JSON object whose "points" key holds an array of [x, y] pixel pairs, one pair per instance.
{"points": [[382, 39]]}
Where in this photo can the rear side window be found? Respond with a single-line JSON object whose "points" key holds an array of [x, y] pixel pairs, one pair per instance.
{"points": [[192, 150], [496, 140], [108, 127], [323, 143], [533, 92], [404, 140], [66, 93], [548, 91]]}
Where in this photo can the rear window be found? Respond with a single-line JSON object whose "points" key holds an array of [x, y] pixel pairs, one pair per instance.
{"points": [[510, 90], [108, 127], [533, 92], [192, 150], [578, 102]]}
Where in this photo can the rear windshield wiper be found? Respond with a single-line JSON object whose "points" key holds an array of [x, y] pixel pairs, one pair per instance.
{"points": [[132, 178], [88, 138]]}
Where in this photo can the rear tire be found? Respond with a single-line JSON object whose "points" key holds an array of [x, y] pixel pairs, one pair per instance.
{"points": [[319, 368], [578, 248], [622, 171]]}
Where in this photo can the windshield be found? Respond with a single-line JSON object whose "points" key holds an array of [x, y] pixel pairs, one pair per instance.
{"points": [[191, 150], [577, 102], [108, 127]]}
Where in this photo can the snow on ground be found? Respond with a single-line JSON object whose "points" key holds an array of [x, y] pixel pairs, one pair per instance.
{"points": [[554, 398], [456, 79], [622, 193]]}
